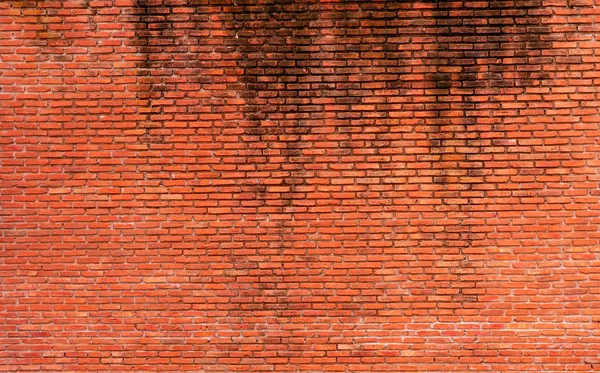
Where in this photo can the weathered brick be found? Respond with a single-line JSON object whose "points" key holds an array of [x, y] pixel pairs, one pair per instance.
{"points": [[299, 185]]}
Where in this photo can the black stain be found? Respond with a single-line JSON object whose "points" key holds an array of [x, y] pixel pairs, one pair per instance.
{"points": [[271, 42], [480, 52], [274, 39], [153, 35], [477, 52]]}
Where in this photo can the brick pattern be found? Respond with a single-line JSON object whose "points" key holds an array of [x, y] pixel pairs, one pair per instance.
{"points": [[280, 185]]}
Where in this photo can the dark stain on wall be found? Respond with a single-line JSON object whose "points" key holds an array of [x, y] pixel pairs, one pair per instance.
{"points": [[152, 35], [260, 49], [473, 51], [274, 61], [272, 41], [480, 53]]}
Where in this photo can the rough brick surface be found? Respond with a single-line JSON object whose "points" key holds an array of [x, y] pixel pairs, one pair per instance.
{"points": [[299, 186]]}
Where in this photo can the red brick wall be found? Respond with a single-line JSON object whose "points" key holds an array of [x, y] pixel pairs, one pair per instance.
{"points": [[279, 185]]}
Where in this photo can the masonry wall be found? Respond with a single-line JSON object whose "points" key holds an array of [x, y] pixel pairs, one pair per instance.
{"points": [[299, 186]]}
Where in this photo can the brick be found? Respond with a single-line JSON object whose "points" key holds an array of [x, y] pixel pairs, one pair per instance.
{"points": [[260, 185]]}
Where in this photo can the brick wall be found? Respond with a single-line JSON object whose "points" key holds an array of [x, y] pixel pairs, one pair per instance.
{"points": [[280, 185]]}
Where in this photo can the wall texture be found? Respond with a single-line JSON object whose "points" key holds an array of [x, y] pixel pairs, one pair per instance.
{"points": [[300, 186]]}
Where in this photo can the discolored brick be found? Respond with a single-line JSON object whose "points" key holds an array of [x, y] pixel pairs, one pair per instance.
{"points": [[299, 185]]}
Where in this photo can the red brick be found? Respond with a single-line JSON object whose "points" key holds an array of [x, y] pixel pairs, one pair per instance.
{"points": [[262, 185]]}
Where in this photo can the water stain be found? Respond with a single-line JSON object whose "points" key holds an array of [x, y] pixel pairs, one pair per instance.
{"points": [[480, 53], [154, 33], [274, 39]]}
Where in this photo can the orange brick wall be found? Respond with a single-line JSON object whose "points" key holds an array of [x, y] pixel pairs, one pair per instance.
{"points": [[299, 186]]}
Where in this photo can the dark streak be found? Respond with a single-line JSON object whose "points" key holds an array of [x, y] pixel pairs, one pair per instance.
{"points": [[456, 77], [270, 63], [150, 27]]}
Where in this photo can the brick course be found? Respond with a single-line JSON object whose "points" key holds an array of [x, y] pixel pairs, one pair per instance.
{"points": [[299, 185]]}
